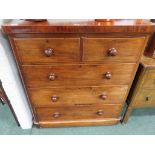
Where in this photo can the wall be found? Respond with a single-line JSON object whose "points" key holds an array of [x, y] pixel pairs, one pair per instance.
{"points": [[12, 84]]}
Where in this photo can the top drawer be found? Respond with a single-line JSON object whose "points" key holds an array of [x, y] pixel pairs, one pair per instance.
{"points": [[47, 50], [113, 49]]}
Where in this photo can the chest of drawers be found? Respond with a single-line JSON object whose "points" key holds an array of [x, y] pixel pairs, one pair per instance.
{"points": [[77, 73], [142, 93]]}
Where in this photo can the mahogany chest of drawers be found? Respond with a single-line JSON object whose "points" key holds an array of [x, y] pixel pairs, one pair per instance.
{"points": [[142, 93], [77, 73]]}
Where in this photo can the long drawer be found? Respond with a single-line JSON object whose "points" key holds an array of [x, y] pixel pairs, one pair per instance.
{"points": [[78, 75], [112, 49], [71, 116], [48, 50], [81, 96]]}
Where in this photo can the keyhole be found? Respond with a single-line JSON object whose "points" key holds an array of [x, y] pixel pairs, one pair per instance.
{"points": [[147, 98]]}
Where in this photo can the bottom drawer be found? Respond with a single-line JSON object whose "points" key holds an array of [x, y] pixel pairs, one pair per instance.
{"points": [[79, 116]]}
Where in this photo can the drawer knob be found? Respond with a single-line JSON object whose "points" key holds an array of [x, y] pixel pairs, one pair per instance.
{"points": [[49, 52], [112, 52], [108, 75], [100, 113], [103, 96], [54, 98], [56, 115], [52, 76]]}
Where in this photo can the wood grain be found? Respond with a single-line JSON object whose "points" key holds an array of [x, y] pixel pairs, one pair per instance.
{"points": [[81, 96], [149, 79], [143, 89], [72, 116], [77, 123], [128, 49], [150, 50], [69, 61], [87, 26], [32, 50], [75, 75], [145, 98]]}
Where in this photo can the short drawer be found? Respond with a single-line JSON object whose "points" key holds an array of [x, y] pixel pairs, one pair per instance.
{"points": [[78, 75], [67, 114], [149, 79], [112, 49], [84, 96], [145, 98], [47, 50]]}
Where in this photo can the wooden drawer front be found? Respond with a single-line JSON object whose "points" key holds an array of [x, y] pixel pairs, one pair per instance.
{"points": [[145, 98], [113, 49], [47, 50], [149, 79], [78, 75], [78, 96], [73, 114]]}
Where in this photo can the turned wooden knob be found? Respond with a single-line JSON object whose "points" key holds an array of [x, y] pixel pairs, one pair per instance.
{"points": [[49, 52], [108, 75], [52, 76], [100, 113], [54, 98], [112, 52], [103, 96], [56, 115]]}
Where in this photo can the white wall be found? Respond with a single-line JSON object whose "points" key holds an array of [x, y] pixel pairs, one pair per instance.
{"points": [[12, 83]]}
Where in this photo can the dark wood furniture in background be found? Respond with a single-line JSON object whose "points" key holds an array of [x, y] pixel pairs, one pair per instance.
{"points": [[78, 73], [3, 97], [5, 100], [150, 50], [142, 93]]}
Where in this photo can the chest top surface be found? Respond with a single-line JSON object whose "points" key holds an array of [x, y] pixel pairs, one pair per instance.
{"points": [[79, 26]]}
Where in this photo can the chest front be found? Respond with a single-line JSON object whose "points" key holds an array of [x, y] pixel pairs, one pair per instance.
{"points": [[77, 78]]}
